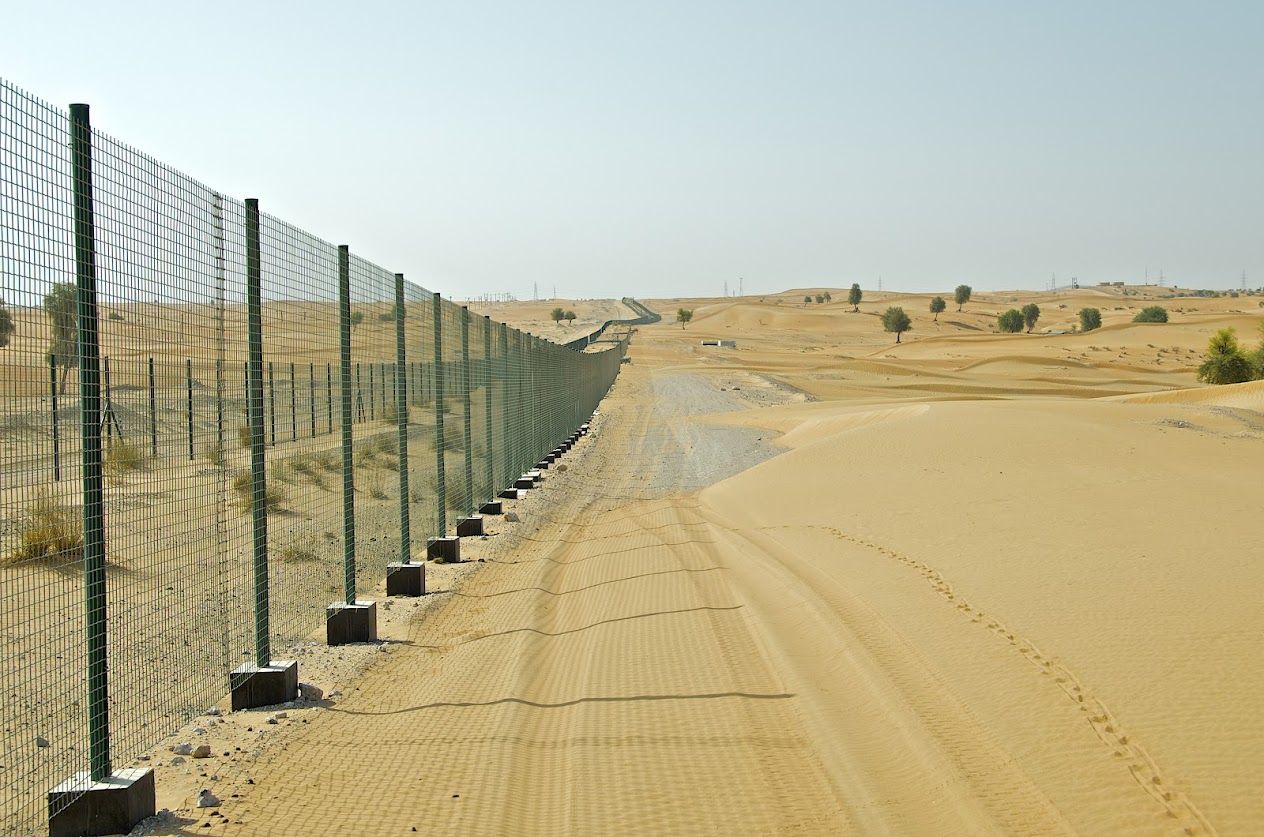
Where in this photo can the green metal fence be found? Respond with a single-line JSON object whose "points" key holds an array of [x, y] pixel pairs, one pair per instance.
{"points": [[212, 425]]}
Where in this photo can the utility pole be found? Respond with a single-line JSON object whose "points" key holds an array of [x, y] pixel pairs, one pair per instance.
{"points": [[535, 291], [879, 282], [726, 288], [742, 292]]}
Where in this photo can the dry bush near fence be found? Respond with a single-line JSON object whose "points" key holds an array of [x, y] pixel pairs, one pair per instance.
{"points": [[274, 498], [48, 531], [214, 454], [122, 457]]}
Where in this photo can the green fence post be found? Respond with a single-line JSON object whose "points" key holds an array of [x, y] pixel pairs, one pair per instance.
{"points": [[487, 400], [293, 405], [401, 406], [441, 487], [271, 405], [348, 475], [153, 410], [90, 428], [52, 381], [188, 403], [502, 338], [254, 413], [468, 499]]}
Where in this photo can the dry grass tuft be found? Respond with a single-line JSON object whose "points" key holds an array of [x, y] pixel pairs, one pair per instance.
{"points": [[122, 457], [274, 500], [49, 532]]}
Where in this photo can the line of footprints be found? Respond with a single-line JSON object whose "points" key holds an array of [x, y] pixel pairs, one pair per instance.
{"points": [[1140, 765]]}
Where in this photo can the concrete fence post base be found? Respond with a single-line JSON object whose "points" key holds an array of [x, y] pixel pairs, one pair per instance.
{"points": [[253, 685], [349, 623], [406, 579], [80, 806]]}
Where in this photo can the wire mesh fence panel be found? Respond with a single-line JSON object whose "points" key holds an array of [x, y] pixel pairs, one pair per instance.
{"points": [[299, 324], [43, 711], [174, 475], [422, 482], [376, 447]]}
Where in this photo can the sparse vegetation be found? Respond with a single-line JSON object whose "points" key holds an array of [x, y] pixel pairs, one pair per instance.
{"points": [[853, 299], [556, 315], [116, 316], [683, 316], [1151, 314], [962, 295], [243, 435], [214, 454], [895, 320], [274, 498], [570, 317], [820, 299], [1011, 321], [1226, 363], [356, 318], [48, 531], [6, 325], [1090, 318], [62, 306], [1031, 313], [122, 457], [298, 551], [827, 296], [807, 299], [937, 305], [376, 491]]}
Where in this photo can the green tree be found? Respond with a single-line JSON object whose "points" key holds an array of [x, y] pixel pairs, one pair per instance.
{"points": [[570, 317], [62, 306], [683, 315], [807, 299], [556, 315], [1011, 321], [1031, 313], [895, 320], [356, 318], [1090, 318], [853, 299], [1225, 363], [1257, 357], [1151, 314], [6, 325], [937, 305], [828, 298], [962, 295], [820, 299]]}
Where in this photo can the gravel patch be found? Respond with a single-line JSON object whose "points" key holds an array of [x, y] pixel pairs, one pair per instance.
{"points": [[685, 456]]}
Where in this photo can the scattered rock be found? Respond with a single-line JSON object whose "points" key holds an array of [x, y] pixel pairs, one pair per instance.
{"points": [[143, 757], [272, 719], [310, 692], [41, 741], [199, 731], [178, 760], [561, 467], [203, 751], [335, 693], [213, 711], [184, 749], [206, 799], [511, 517]]}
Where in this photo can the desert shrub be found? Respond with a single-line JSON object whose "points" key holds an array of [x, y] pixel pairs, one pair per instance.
{"points": [[1151, 314], [214, 453], [329, 461], [121, 457], [243, 435], [49, 531], [683, 316], [274, 498], [279, 472], [390, 413], [1090, 318], [1011, 321], [1225, 363], [356, 318], [6, 325], [377, 491], [116, 316], [300, 550]]}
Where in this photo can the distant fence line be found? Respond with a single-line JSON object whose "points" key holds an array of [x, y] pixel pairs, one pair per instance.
{"points": [[214, 424], [644, 317]]}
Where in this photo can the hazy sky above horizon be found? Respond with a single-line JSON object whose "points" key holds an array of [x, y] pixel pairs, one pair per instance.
{"points": [[660, 149]]}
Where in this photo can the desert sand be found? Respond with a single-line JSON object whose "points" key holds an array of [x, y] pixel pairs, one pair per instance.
{"points": [[819, 583]]}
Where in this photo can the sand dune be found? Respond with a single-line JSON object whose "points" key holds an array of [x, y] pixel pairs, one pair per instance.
{"points": [[818, 583]]}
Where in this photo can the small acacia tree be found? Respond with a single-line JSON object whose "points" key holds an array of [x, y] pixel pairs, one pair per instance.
{"points": [[820, 299], [853, 298], [61, 304], [6, 325], [895, 320], [570, 317], [937, 305], [556, 315], [1151, 314], [683, 315], [807, 299], [828, 298], [1090, 318], [1225, 363], [962, 295], [1011, 321], [356, 318], [1031, 313]]}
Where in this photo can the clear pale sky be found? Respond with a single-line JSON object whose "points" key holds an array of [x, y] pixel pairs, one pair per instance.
{"points": [[659, 149]]}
